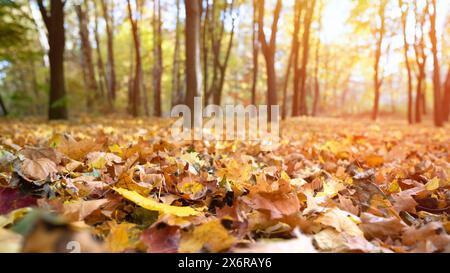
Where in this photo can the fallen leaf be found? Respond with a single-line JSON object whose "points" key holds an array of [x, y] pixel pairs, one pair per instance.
{"points": [[342, 221], [151, 204], [211, 235]]}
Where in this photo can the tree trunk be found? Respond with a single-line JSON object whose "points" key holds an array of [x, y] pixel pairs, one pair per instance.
{"points": [[378, 77], [54, 21], [438, 120], [135, 95], [193, 70], [205, 50], [157, 53], [110, 65], [255, 46], [303, 71], [176, 90], [405, 53], [222, 65], [102, 82], [421, 59], [446, 100], [286, 84], [316, 68], [86, 56], [269, 50], [419, 97], [296, 53], [3, 112]]}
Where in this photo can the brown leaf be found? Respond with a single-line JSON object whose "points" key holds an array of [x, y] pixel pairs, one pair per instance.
{"points": [[380, 227], [38, 169]]}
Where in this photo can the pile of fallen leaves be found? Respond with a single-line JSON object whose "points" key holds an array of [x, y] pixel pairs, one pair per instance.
{"points": [[121, 185]]}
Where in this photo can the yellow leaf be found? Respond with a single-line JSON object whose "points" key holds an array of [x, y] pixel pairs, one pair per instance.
{"points": [[433, 184], [13, 216], [115, 149], [342, 221], [122, 236], [99, 163], [151, 204], [331, 188], [194, 189], [394, 187], [211, 235]]}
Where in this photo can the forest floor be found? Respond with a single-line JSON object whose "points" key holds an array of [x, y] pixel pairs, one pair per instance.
{"points": [[121, 185]]}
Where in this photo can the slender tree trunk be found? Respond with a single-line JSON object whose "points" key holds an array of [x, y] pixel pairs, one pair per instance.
{"points": [[110, 65], [421, 59], [54, 21], [205, 49], [255, 47], [296, 53], [378, 77], [3, 112], [269, 50], [176, 90], [286, 84], [138, 66], [446, 100], [102, 81], [130, 80], [316, 68], [193, 69], [222, 66], [303, 71], [437, 103], [86, 55], [404, 18], [157, 53]]}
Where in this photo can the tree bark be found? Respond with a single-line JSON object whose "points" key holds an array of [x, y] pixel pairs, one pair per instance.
{"points": [[421, 60], [205, 50], [268, 50], [299, 7], [135, 95], [110, 65], [176, 90], [378, 77], [102, 81], [255, 47], [86, 56], [401, 4], [437, 103], [286, 84], [54, 22], [4, 112], [316, 68], [303, 70], [446, 100], [222, 65], [193, 70], [157, 53]]}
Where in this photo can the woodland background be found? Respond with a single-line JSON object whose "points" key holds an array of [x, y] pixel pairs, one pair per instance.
{"points": [[311, 57]]}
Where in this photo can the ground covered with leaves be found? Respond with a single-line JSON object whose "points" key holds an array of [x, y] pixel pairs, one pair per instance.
{"points": [[121, 185]]}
